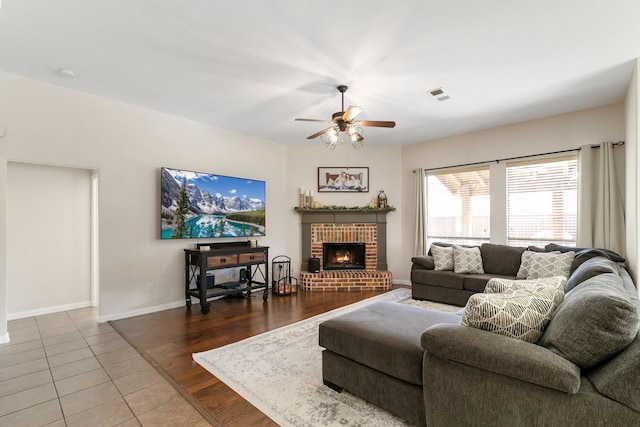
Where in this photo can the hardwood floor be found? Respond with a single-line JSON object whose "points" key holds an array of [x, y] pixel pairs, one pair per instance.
{"points": [[168, 338]]}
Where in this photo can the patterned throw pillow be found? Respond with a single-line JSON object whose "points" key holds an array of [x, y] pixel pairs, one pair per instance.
{"points": [[525, 261], [549, 266], [522, 314], [497, 285], [467, 260], [442, 257]]}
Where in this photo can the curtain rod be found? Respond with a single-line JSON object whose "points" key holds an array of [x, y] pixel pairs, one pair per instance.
{"points": [[513, 158]]}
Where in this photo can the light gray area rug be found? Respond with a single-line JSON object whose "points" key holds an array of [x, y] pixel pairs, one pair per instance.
{"points": [[280, 373]]}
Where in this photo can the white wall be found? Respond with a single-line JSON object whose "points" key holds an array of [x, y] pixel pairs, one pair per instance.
{"points": [[48, 239], [555, 133], [4, 336], [632, 178], [127, 145], [384, 163]]}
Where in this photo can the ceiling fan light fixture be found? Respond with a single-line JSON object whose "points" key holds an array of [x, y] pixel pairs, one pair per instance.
{"points": [[333, 136], [355, 132], [344, 123], [330, 137]]}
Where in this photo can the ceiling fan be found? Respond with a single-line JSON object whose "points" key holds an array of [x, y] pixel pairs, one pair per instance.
{"points": [[344, 121]]}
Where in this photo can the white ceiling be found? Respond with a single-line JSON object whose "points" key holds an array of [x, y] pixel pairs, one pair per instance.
{"points": [[254, 65]]}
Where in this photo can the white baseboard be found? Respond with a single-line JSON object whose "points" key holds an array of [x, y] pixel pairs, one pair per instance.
{"points": [[47, 310], [402, 282], [5, 338], [141, 311]]}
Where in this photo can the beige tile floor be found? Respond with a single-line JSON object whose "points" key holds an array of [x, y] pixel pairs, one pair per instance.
{"points": [[65, 369]]}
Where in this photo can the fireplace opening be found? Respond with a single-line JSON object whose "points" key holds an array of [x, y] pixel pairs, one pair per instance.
{"points": [[343, 256]]}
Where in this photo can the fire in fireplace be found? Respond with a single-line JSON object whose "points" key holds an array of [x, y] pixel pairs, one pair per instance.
{"points": [[343, 256]]}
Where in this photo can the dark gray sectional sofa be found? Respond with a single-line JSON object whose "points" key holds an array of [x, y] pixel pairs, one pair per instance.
{"points": [[456, 288], [427, 368]]}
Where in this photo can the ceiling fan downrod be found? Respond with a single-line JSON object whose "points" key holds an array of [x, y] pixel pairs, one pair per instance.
{"points": [[342, 89]]}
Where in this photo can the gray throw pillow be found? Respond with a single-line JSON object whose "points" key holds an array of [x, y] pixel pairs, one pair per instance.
{"points": [[442, 257], [555, 247], [549, 259], [586, 254], [595, 321], [550, 266], [467, 260]]}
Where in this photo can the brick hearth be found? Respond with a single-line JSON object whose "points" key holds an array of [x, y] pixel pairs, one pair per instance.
{"points": [[347, 280]]}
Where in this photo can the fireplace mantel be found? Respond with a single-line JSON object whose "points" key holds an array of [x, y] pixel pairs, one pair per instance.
{"points": [[342, 216]]}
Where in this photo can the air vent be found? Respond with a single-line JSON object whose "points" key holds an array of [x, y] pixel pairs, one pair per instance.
{"points": [[439, 94]]}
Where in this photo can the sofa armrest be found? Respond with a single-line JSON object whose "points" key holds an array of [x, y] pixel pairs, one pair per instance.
{"points": [[501, 355], [425, 261]]}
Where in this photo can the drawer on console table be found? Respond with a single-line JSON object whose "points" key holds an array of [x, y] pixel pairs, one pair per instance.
{"points": [[252, 257], [222, 260]]}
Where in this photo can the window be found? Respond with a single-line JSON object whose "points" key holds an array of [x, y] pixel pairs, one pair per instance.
{"points": [[542, 201], [458, 209]]}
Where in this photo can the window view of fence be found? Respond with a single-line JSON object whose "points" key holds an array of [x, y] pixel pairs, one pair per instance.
{"points": [[458, 208]]}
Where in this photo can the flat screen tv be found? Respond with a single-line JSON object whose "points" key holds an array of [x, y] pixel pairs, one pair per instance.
{"points": [[197, 205]]}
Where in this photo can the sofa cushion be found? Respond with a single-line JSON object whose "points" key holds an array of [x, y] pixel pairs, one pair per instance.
{"points": [[442, 257], [467, 260], [618, 379], [477, 282], [501, 259], [497, 285], [596, 320], [443, 279], [590, 268], [382, 332], [522, 314]]}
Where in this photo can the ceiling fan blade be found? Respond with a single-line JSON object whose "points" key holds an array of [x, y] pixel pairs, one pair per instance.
{"points": [[317, 134], [350, 113], [313, 120], [377, 123]]}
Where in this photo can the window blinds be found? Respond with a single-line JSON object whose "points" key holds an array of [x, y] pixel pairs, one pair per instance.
{"points": [[542, 201]]}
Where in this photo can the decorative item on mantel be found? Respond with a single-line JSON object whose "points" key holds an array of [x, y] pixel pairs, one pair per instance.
{"points": [[382, 200], [371, 207], [305, 200]]}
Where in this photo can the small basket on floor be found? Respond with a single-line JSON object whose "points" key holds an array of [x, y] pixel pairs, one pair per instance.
{"points": [[282, 283]]}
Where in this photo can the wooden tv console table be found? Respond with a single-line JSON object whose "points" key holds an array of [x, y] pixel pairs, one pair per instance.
{"points": [[220, 256]]}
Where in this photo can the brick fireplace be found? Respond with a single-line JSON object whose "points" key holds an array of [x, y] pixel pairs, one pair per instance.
{"points": [[345, 226]]}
